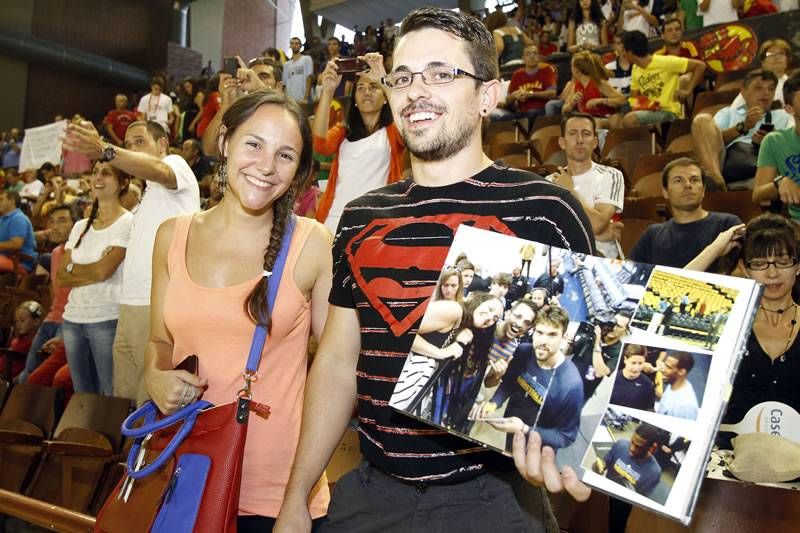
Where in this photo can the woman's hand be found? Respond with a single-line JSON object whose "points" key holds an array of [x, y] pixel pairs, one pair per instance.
{"points": [[594, 102], [728, 240], [454, 350], [173, 389], [376, 69], [330, 77], [464, 336]]}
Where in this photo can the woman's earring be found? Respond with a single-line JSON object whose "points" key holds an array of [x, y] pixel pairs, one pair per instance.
{"points": [[222, 176]]}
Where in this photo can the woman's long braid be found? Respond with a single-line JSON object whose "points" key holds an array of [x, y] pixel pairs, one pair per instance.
{"points": [[90, 221], [256, 305]]}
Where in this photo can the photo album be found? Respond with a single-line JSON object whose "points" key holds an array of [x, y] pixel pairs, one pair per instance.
{"points": [[623, 368]]}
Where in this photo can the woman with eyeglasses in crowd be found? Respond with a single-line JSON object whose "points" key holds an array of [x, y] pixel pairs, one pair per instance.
{"points": [[368, 148], [766, 251]]}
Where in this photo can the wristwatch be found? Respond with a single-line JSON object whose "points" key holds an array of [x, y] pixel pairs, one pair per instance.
{"points": [[69, 267], [776, 181], [108, 153], [741, 129]]}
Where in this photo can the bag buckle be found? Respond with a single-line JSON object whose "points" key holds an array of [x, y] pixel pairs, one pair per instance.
{"points": [[249, 378]]}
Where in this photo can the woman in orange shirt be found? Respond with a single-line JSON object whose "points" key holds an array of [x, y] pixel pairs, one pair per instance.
{"points": [[209, 292]]}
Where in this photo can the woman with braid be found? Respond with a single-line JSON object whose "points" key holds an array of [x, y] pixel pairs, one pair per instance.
{"points": [[93, 253], [209, 291]]}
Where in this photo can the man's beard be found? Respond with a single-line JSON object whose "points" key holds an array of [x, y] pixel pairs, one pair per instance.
{"points": [[446, 144]]}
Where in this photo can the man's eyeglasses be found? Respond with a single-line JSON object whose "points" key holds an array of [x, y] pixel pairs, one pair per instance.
{"points": [[763, 264], [430, 76]]}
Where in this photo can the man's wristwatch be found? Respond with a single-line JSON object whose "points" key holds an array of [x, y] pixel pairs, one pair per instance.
{"points": [[741, 129], [776, 181], [69, 267], [108, 153]]}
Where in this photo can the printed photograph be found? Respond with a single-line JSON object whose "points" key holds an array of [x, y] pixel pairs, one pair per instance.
{"points": [[520, 336], [659, 380], [636, 455], [686, 309]]}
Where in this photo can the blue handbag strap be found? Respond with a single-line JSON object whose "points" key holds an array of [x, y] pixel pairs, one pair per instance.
{"points": [[273, 283], [189, 413]]}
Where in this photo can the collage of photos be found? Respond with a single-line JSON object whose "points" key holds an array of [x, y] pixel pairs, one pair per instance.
{"points": [[520, 335], [617, 365], [638, 456]]}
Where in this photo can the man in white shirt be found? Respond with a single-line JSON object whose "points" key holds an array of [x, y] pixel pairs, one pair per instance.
{"points": [[298, 73], [156, 105], [718, 11], [679, 398], [600, 189], [171, 190]]}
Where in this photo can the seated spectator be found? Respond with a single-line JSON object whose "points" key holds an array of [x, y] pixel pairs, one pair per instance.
{"points": [[16, 234], [590, 91], [674, 44], [775, 56], [530, 88], [778, 175], [59, 226], [676, 242], [546, 47], [117, 120], [32, 187], [586, 29], [600, 189], [369, 150], [620, 69], [718, 11], [655, 96], [727, 143], [12, 180], [510, 41], [27, 318], [201, 166]]}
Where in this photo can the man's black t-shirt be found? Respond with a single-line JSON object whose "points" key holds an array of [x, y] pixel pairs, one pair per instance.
{"points": [[638, 393], [390, 246]]}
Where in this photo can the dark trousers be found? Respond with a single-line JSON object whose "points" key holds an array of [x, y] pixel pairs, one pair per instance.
{"points": [[368, 500], [264, 524]]}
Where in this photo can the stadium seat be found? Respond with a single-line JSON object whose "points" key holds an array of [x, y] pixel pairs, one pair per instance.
{"points": [[621, 135], [739, 203], [541, 137], [712, 101], [631, 232], [629, 152]]}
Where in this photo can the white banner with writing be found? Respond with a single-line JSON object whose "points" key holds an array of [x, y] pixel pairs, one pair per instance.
{"points": [[42, 145]]}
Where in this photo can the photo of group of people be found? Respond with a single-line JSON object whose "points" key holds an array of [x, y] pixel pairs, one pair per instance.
{"points": [[637, 455], [519, 336], [685, 309]]}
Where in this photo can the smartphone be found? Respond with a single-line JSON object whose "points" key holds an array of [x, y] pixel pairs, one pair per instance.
{"points": [[349, 65], [230, 65], [768, 127], [189, 364]]}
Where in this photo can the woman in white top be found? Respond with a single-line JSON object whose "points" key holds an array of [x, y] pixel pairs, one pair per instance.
{"points": [[587, 26], [94, 251], [718, 11], [368, 148], [637, 15]]}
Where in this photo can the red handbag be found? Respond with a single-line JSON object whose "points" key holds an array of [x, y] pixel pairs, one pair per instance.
{"points": [[184, 470]]}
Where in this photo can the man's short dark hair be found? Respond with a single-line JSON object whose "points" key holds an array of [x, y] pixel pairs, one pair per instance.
{"points": [[635, 42], [69, 208], [758, 74], [680, 162], [626, 313], [685, 361], [651, 434], [791, 86], [47, 167], [334, 38], [567, 117], [157, 80], [14, 195], [477, 39], [669, 19], [526, 303], [502, 279], [634, 349], [155, 129], [553, 315]]}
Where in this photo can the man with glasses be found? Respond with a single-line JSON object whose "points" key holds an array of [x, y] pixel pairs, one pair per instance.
{"points": [[676, 242], [390, 246]]}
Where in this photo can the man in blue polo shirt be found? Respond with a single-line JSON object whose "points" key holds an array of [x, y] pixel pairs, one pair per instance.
{"points": [[16, 233]]}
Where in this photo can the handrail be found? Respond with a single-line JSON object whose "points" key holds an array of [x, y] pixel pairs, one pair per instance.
{"points": [[44, 514]]}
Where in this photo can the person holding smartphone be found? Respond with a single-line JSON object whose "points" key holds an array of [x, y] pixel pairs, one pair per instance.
{"points": [[369, 151], [724, 143]]}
